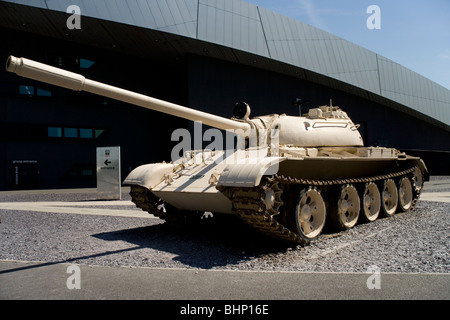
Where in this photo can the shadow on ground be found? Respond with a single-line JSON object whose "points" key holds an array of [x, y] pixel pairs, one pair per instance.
{"points": [[204, 245]]}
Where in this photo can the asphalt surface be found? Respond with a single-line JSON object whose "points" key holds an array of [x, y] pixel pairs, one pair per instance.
{"points": [[58, 278], [27, 280]]}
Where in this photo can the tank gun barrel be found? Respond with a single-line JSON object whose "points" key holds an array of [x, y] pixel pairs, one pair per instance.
{"points": [[70, 80]]}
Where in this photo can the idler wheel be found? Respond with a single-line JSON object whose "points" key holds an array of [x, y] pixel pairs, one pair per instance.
{"points": [[370, 202], [307, 214], [417, 180], [405, 194], [389, 196]]}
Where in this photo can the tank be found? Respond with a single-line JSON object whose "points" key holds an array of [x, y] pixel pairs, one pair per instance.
{"points": [[287, 176]]}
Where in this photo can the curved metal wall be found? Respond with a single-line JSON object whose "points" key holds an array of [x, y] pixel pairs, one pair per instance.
{"points": [[242, 26]]}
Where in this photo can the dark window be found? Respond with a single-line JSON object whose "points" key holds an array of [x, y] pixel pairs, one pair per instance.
{"points": [[85, 63], [86, 133], [98, 133], [59, 61], [80, 172], [82, 133], [87, 172], [43, 93], [26, 90], [31, 91], [70, 133], [54, 132]]}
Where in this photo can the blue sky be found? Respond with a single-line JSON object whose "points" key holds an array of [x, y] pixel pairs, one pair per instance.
{"points": [[414, 33]]}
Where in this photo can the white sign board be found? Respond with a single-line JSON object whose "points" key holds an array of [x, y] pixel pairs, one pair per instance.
{"points": [[108, 173]]}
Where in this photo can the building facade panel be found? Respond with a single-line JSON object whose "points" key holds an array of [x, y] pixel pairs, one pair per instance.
{"points": [[413, 90], [240, 25], [179, 17], [243, 26], [299, 44], [233, 24]]}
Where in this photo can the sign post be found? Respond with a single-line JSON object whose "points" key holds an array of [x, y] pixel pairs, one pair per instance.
{"points": [[108, 174]]}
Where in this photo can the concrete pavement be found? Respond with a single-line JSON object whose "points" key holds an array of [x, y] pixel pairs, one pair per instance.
{"points": [[436, 190], [80, 208], [36, 280]]}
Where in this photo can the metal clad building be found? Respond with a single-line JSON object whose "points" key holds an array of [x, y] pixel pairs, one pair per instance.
{"points": [[205, 54]]}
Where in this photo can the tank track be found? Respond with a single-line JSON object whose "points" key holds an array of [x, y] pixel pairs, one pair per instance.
{"points": [[144, 199], [250, 205], [147, 201]]}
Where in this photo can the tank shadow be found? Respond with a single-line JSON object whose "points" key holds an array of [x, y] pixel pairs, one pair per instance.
{"points": [[205, 245]]}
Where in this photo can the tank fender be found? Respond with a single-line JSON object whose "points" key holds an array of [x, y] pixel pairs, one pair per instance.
{"points": [[249, 174], [149, 175]]}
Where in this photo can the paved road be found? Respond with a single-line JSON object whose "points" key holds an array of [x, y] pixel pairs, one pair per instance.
{"points": [[26, 280], [436, 190]]}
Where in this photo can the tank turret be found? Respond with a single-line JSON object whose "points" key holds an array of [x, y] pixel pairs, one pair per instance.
{"points": [[294, 175]]}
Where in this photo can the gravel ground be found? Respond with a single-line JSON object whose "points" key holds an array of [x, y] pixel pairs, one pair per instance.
{"points": [[410, 242]]}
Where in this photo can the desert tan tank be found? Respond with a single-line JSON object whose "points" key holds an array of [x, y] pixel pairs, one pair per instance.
{"points": [[287, 176]]}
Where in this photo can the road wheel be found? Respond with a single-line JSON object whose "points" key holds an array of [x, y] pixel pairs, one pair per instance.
{"points": [[371, 202], [344, 211], [389, 196], [307, 214]]}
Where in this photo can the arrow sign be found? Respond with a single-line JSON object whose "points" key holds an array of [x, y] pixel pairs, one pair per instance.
{"points": [[108, 173]]}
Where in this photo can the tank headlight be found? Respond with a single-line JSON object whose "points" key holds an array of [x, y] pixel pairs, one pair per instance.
{"points": [[241, 110]]}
